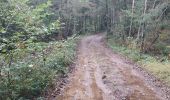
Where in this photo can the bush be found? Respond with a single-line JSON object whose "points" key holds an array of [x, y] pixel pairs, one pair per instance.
{"points": [[162, 48], [29, 76]]}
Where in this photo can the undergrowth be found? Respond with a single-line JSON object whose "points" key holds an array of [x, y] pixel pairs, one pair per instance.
{"points": [[29, 77], [161, 69]]}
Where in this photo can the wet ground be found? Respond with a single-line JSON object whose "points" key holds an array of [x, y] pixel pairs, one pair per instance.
{"points": [[101, 74]]}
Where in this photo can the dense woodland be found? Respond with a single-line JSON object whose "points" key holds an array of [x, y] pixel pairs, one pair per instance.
{"points": [[38, 37]]}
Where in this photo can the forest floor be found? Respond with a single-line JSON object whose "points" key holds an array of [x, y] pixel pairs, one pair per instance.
{"points": [[101, 74]]}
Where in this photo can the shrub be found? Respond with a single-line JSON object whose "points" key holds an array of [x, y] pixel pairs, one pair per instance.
{"points": [[30, 74]]}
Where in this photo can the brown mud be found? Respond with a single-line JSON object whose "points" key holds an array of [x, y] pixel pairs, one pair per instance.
{"points": [[101, 74]]}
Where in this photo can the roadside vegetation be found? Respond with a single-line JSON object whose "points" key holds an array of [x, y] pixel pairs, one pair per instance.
{"points": [[33, 71], [33, 49], [141, 33], [38, 38], [160, 69]]}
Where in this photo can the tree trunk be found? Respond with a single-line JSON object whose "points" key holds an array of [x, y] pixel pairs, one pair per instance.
{"points": [[143, 28], [133, 5]]}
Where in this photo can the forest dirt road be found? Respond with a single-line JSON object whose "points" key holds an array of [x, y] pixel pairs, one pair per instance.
{"points": [[101, 74]]}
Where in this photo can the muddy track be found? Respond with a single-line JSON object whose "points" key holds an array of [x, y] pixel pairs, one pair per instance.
{"points": [[102, 75]]}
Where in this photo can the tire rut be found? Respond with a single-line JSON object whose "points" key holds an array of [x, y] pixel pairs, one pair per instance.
{"points": [[102, 75]]}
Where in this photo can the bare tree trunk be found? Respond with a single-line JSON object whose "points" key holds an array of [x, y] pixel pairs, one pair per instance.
{"points": [[143, 27], [154, 4], [133, 5], [138, 35], [107, 17], [74, 26]]}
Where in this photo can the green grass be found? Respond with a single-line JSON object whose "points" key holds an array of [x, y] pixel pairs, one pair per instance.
{"points": [[160, 69]]}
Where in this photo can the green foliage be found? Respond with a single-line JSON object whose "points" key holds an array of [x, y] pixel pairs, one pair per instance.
{"points": [[24, 70], [17, 17], [33, 71], [162, 48], [138, 30], [160, 69], [133, 54]]}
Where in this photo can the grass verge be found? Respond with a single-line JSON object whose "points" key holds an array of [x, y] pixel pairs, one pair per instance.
{"points": [[159, 69]]}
